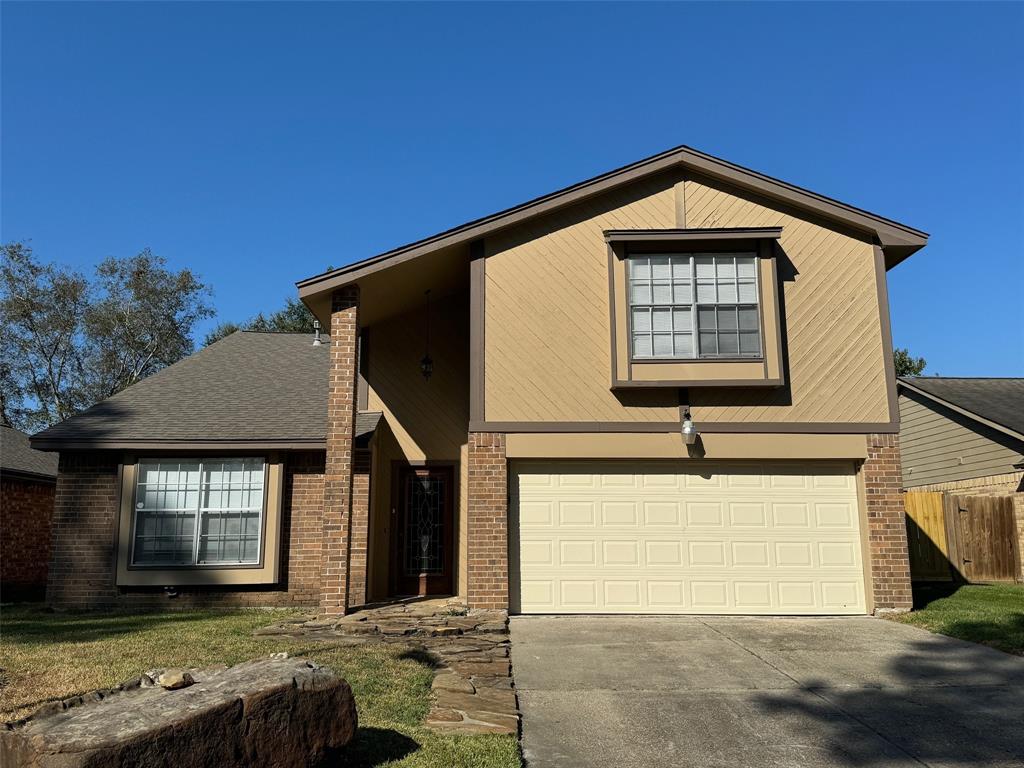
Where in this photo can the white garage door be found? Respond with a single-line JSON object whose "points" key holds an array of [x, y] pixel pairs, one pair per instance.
{"points": [[596, 537]]}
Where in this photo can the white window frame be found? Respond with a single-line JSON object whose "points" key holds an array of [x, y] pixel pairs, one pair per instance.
{"points": [[198, 514], [693, 306]]}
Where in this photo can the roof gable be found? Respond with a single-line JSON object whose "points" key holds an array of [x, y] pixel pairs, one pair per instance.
{"points": [[898, 240]]}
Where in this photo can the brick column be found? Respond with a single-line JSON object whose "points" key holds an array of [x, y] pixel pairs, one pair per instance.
{"points": [[341, 414], [360, 530], [887, 532], [487, 521], [81, 573]]}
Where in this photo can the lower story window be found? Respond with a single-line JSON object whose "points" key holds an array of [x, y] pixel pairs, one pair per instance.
{"points": [[199, 512]]}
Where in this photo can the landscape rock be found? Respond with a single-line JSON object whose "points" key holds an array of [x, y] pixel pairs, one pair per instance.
{"points": [[272, 713], [173, 679]]}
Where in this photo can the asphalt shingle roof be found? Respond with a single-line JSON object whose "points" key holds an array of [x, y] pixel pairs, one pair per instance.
{"points": [[998, 400], [16, 455], [251, 387]]}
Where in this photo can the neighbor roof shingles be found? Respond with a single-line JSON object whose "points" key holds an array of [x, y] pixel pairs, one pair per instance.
{"points": [[247, 387], [997, 400], [17, 456]]}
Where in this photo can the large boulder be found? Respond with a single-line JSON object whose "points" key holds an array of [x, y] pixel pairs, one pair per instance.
{"points": [[275, 713]]}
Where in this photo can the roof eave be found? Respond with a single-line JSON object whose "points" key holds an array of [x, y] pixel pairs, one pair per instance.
{"points": [[904, 240], [86, 444]]}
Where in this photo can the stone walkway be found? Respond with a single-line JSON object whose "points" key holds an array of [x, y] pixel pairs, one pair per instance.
{"points": [[468, 649]]}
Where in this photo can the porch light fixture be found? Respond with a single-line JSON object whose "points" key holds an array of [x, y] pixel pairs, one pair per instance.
{"points": [[427, 363], [316, 333], [690, 432]]}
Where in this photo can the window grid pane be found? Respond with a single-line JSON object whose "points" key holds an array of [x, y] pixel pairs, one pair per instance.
{"points": [[675, 298], [198, 512]]}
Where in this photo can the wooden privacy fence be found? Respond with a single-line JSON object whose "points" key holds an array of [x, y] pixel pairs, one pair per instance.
{"points": [[967, 538]]}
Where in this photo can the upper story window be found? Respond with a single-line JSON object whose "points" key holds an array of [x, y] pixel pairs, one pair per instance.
{"points": [[198, 512], [694, 306]]}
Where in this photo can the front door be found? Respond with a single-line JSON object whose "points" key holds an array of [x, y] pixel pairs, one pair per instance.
{"points": [[423, 540]]}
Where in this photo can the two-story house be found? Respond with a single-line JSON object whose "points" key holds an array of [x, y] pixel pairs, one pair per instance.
{"points": [[666, 389]]}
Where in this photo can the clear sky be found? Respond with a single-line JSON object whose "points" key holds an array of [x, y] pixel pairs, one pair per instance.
{"points": [[258, 143]]}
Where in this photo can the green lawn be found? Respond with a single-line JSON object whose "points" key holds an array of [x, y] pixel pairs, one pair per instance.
{"points": [[991, 614], [45, 656]]}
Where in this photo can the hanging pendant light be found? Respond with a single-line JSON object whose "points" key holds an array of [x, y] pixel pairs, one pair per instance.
{"points": [[427, 363]]}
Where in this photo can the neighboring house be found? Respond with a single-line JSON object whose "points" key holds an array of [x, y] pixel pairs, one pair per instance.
{"points": [[962, 434], [27, 480], [965, 436], [541, 465]]}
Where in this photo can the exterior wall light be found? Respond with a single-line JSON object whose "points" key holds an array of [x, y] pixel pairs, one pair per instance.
{"points": [[427, 363], [690, 432]]}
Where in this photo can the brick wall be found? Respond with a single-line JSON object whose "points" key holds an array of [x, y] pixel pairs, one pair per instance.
{"points": [[487, 521], [358, 554], [84, 520], [341, 414], [27, 509], [887, 533], [82, 563]]}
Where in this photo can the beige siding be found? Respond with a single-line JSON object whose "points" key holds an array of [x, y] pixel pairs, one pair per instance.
{"points": [[429, 418], [547, 325], [547, 321], [832, 322], [940, 446], [425, 420]]}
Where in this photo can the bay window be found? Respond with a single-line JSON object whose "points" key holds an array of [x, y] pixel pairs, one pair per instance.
{"points": [[198, 512]]}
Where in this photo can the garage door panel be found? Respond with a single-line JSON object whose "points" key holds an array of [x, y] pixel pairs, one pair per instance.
{"points": [[625, 538]]}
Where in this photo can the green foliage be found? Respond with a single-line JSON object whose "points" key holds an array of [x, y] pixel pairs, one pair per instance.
{"points": [[295, 317], [990, 614], [67, 343], [906, 365]]}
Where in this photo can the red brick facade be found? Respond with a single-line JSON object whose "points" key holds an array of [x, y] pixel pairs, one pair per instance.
{"points": [[82, 569], [335, 564], [27, 509], [887, 533], [487, 521], [84, 523], [358, 556]]}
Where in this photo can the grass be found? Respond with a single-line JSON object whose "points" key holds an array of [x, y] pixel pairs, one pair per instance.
{"points": [[45, 656], [990, 614]]}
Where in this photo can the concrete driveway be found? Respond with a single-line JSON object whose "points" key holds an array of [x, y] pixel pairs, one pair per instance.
{"points": [[756, 692]]}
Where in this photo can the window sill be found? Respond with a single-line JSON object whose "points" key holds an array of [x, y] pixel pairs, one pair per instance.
{"points": [[648, 360], [185, 576]]}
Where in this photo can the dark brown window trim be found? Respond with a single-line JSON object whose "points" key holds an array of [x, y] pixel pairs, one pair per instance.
{"points": [[691, 236], [882, 285], [827, 428], [666, 384], [477, 327], [760, 241]]}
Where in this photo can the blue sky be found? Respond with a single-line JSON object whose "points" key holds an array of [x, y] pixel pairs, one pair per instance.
{"points": [[259, 143]]}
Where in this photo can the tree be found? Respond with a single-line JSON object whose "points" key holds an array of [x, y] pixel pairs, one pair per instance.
{"points": [[906, 365], [42, 368], [142, 319], [68, 342], [294, 317]]}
